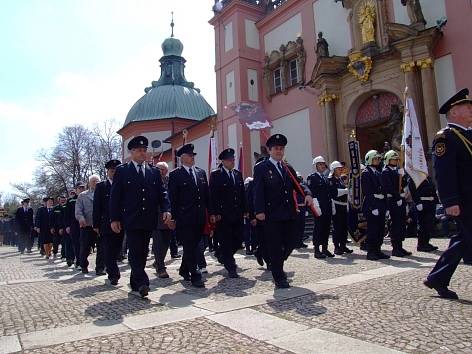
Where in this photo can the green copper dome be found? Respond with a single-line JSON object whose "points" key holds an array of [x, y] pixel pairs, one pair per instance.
{"points": [[172, 96], [172, 46]]}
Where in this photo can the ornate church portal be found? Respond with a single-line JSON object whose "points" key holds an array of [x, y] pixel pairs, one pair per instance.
{"points": [[379, 121]]}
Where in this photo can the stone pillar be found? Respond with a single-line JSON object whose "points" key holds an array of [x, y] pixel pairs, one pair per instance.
{"points": [[428, 82], [327, 103]]}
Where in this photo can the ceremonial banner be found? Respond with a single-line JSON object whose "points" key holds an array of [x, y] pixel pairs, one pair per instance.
{"points": [[415, 161], [240, 158], [252, 115], [212, 155], [355, 195]]}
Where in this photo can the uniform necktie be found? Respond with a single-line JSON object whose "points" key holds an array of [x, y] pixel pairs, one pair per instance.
{"points": [[231, 177], [192, 175], [140, 171], [279, 167]]}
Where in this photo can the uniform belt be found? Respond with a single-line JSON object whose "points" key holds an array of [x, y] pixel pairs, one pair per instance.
{"points": [[379, 196], [339, 203], [427, 198]]}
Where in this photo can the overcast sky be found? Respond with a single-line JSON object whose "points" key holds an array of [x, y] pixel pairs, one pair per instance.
{"points": [[64, 62]]}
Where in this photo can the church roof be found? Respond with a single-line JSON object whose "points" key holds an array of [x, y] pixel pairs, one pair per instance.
{"points": [[172, 96]]}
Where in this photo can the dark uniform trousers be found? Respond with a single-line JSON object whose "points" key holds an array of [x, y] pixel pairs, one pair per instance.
{"points": [[190, 235], [273, 195], [88, 237], [424, 195], [111, 244], [75, 240], [340, 226], [453, 166], [230, 241], [138, 249], [340, 217], [161, 240], [320, 189], [390, 179], [374, 200]]}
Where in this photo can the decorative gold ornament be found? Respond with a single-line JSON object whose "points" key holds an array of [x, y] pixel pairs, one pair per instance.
{"points": [[325, 98], [360, 66], [367, 21], [407, 67], [425, 63]]}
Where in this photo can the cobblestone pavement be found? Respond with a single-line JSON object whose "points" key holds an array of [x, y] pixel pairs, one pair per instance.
{"points": [[394, 311], [194, 336], [389, 311]]}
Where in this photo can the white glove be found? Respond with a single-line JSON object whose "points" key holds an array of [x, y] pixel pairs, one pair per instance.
{"points": [[375, 212], [316, 206], [401, 171], [387, 214], [342, 191], [400, 202], [419, 207]]}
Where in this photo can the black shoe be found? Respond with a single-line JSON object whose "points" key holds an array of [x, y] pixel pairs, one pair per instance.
{"points": [[176, 256], [70, 263], [363, 246], [468, 262], [269, 267], [185, 276], [114, 281], [319, 255], [85, 270], [398, 253], [259, 259], [347, 250], [382, 255], [328, 253], [406, 253], [282, 284], [443, 292], [143, 290], [338, 251], [232, 274], [372, 256], [426, 248], [100, 272], [198, 283]]}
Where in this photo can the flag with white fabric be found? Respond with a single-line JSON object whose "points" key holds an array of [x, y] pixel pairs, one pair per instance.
{"points": [[212, 154], [415, 161]]}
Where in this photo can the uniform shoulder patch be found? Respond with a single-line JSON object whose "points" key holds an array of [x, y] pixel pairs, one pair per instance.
{"points": [[439, 149]]}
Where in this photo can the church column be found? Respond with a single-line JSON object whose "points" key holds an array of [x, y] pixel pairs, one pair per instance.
{"points": [[433, 123], [327, 105]]}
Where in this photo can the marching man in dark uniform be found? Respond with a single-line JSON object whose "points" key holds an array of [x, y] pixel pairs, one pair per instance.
{"points": [[110, 241], [374, 206], [320, 189], [390, 179], [339, 193], [227, 208], [137, 196], [57, 225], [274, 206], [72, 234], [189, 198], [24, 225], [43, 226], [452, 149]]}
